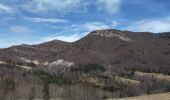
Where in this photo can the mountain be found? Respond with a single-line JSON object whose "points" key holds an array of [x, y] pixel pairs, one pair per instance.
{"points": [[102, 65], [107, 47]]}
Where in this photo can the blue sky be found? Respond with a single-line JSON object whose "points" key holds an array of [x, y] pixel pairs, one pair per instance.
{"points": [[36, 21]]}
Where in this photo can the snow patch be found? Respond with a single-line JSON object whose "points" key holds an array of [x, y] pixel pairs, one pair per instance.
{"points": [[25, 67], [36, 62], [50, 64], [26, 60], [61, 62], [45, 63], [1, 62]]}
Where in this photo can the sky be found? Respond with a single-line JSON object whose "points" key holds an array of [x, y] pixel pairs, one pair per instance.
{"points": [[37, 21]]}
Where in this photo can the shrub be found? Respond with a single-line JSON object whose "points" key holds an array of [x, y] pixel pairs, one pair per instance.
{"points": [[9, 84], [32, 94], [46, 94], [56, 79], [89, 68]]}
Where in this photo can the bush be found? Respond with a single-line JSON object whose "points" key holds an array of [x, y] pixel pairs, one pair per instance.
{"points": [[9, 84], [46, 94], [56, 79], [89, 68]]}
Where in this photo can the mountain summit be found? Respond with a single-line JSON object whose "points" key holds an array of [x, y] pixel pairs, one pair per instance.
{"points": [[112, 33]]}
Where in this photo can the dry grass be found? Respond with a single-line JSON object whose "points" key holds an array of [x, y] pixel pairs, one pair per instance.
{"points": [[25, 67], [154, 75], [101, 82], [163, 96], [42, 99], [94, 80], [127, 81]]}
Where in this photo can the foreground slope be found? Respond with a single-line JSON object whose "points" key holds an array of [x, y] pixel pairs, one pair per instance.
{"points": [[163, 96]]}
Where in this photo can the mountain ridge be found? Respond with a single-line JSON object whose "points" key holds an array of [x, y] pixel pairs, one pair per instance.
{"points": [[107, 47]]}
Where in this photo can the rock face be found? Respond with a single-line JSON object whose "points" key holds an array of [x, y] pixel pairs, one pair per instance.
{"points": [[111, 34], [110, 47]]}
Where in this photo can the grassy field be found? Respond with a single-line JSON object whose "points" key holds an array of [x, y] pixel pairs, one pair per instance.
{"points": [[127, 81], [155, 75], [163, 96]]}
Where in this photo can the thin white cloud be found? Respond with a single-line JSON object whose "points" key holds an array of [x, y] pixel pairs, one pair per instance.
{"points": [[53, 5], [110, 6], [46, 20], [78, 31], [91, 26], [6, 9], [114, 24], [7, 43], [69, 38], [19, 29], [150, 25]]}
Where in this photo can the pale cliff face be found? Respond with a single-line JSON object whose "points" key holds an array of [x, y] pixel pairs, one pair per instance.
{"points": [[109, 34]]}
